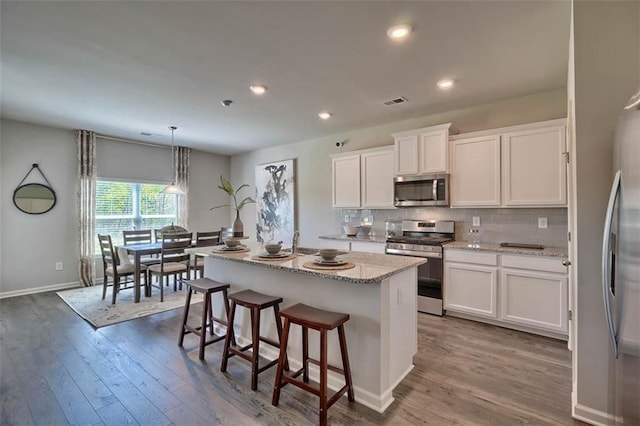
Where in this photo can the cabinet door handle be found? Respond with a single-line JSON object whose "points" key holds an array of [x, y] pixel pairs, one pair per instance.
{"points": [[566, 262]]}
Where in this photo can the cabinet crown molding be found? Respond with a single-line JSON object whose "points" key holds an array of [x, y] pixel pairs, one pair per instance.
{"points": [[518, 127], [439, 127], [361, 151]]}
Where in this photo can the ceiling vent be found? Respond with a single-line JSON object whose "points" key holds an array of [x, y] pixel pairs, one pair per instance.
{"points": [[396, 101]]}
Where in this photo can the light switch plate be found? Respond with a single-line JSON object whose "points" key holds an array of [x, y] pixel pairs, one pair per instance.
{"points": [[542, 223], [476, 220]]}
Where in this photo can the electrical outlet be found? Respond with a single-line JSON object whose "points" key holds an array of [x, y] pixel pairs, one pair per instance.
{"points": [[58, 266], [476, 220], [542, 223]]}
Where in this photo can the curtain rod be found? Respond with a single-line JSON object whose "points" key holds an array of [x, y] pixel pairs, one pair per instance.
{"points": [[113, 138]]}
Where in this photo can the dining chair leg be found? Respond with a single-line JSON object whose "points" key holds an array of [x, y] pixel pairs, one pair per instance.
{"points": [[104, 286], [116, 284]]}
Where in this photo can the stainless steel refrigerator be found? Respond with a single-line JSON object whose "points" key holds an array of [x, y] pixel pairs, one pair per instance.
{"points": [[621, 265]]}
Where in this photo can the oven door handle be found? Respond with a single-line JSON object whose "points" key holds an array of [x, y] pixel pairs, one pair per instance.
{"points": [[414, 253]]}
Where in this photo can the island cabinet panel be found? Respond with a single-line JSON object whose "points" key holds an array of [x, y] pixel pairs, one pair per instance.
{"points": [[379, 294], [535, 299], [346, 181], [363, 179], [534, 166], [471, 289], [475, 172]]}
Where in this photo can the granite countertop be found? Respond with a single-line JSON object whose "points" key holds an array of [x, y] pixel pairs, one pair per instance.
{"points": [[547, 251], [370, 267], [367, 239]]}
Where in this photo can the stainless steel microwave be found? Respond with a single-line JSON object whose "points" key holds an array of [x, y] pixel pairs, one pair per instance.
{"points": [[418, 191]]}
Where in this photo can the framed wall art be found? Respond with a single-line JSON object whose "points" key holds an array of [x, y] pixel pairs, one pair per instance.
{"points": [[275, 198]]}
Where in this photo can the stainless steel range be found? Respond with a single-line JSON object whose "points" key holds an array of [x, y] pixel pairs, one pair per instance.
{"points": [[424, 238]]}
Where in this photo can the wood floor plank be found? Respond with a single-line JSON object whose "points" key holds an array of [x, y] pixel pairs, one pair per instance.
{"points": [[466, 373], [115, 414], [130, 397]]}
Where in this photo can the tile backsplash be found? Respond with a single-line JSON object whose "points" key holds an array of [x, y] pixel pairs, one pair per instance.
{"points": [[496, 225]]}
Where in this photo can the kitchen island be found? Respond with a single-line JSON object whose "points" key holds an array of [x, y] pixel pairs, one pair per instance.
{"points": [[379, 294]]}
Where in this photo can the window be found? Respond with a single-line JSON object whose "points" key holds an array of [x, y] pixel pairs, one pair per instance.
{"points": [[126, 205]]}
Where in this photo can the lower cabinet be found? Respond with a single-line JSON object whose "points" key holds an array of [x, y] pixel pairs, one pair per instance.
{"points": [[363, 246], [471, 289], [517, 291]]}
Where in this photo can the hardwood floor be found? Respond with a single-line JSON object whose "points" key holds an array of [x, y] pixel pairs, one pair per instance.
{"points": [[56, 369]]}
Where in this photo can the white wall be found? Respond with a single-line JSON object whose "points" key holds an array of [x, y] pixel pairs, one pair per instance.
{"points": [[606, 51], [313, 185], [31, 244]]}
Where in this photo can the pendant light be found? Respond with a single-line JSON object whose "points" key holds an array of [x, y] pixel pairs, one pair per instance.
{"points": [[173, 188]]}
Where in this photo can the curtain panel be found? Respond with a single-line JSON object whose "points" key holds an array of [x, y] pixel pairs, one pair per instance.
{"points": [[182, 161], [86, 196]]}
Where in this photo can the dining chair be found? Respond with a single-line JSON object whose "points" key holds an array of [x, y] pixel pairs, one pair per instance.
{"points": [[140, 236], [173, 260], [114, 269], [204, 239]]}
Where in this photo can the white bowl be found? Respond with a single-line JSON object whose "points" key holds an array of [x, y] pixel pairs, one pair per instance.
{"points": [[365, 229], [273, 248], [350, 230], [328, 253], [232, 243]]}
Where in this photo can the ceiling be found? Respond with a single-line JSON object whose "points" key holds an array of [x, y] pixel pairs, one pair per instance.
{"points": [[122, 68]]}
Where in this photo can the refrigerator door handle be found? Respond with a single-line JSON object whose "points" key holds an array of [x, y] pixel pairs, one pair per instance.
{"points": [[606, 261]]}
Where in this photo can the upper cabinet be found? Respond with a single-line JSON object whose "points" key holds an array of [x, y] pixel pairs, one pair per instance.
{"points": [[363, 178], [422, 151], [520, 166]]}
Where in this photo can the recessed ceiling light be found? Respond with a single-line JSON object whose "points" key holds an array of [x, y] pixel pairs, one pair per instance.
{"points": [[258, 89], [325, 115], [399, 32], [445, 83]]}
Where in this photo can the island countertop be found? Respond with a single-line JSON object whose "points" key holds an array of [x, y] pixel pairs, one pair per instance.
{"points": [[369, 267]]}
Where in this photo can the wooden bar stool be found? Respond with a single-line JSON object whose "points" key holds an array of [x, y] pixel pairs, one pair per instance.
{"points": [[255, 302], [317, 319], [207, 287]]}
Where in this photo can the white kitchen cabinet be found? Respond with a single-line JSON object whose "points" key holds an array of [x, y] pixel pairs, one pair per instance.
{"points": [[534, 167], [363, 246], [335, 244], [376, 180], [471, 283], [368, 247], [519, 166], [524, 292], [475, 172], [363, 178], [422, 151], [532, 295], [346, 181]]}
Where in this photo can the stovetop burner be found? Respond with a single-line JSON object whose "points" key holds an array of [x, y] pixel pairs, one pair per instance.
{"points": [[424, 232]]}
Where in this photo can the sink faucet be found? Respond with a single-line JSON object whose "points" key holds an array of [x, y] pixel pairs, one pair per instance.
{"points": [[294, 242]]}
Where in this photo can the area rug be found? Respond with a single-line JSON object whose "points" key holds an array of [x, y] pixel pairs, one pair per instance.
{"points": [[87, 302]]}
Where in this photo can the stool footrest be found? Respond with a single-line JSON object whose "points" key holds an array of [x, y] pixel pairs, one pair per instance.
{"points": [[240, 353], [329, 367], [270, 341]]}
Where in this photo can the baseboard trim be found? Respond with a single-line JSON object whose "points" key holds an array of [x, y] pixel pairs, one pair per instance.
{"points": [[594, 417], [54, 287]]}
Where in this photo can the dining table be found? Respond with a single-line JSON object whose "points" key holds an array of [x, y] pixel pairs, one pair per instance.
{"points": [[137, 251]]}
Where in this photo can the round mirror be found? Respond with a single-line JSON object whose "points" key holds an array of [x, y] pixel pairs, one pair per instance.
{"points": [[34, 198]]}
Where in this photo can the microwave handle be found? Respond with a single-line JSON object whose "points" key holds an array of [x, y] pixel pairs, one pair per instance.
{"points": [[434, 190]]}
